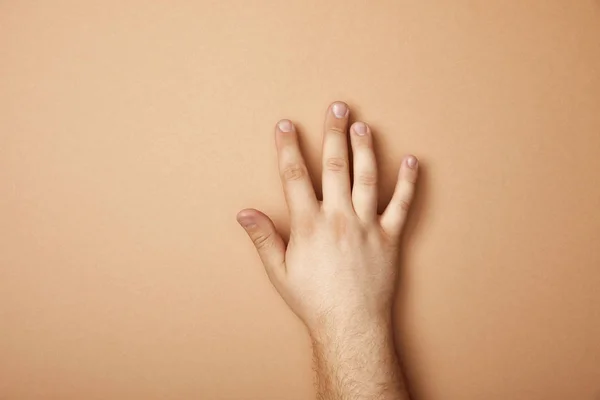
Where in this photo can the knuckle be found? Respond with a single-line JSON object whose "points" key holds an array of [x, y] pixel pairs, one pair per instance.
{"points": [[335, 130], [404, 205], [262, 240], [293, 172], [367, 179], [336, 164]]}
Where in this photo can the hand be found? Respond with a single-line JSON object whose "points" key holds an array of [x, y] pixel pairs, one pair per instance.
{"points": [[338, 270]]}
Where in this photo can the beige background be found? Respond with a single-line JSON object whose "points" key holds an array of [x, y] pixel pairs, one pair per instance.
{"points": [[132, 132]]}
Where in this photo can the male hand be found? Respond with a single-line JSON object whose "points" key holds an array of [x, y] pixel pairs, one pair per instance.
{"points": [[340, 263], [338, 271]]}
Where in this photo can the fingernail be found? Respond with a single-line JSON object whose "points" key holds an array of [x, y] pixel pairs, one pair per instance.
{"points": [[339, 110], [412, 162], [360, 128], [246, 221], [285, 126]]}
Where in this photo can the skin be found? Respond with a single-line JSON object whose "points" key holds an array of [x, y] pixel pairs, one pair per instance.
{"points": [[338, 270]]}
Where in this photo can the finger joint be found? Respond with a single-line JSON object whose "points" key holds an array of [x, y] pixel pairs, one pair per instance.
{"points": [[367, 179], [293, 172], [336, 164], [262, 240], [404, 205], [334, 130]]}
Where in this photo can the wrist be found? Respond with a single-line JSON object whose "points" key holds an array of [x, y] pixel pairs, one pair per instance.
{"points": [[352, 327]]}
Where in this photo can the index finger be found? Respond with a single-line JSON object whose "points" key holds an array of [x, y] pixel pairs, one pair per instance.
{"points": [[297, 186]]}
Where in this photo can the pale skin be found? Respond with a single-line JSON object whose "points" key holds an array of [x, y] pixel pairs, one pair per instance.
{"points": [[338, 270]]}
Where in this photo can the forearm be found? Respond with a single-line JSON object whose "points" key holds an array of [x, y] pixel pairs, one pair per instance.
{"points": [[357, 362]]}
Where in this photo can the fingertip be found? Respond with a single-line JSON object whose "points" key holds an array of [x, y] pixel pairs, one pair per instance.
{"points": [[285, 133], [340, 109], [411, 161], [285, 126], [267, 241], [360, 128], [246, 212], [247, 217], [409, 169]]}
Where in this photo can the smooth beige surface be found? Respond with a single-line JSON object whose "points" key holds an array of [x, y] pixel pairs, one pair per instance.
{"points": [[131, 132]]}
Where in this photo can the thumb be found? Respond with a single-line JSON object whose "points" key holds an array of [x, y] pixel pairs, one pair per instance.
{"points": [[266, 239]]}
